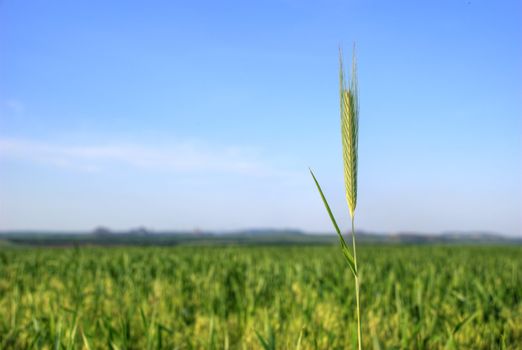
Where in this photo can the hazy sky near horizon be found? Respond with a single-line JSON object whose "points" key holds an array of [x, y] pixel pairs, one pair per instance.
{"points": [[207, 114]]}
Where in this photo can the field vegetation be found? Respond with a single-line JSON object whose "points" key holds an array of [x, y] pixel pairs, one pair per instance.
{"points": [[252, 297]]}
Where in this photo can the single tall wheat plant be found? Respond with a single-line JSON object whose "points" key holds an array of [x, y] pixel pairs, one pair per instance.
{"points": [[349, 135]]}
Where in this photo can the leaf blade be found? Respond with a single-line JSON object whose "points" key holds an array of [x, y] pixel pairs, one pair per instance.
{"points": [[344, 246]]}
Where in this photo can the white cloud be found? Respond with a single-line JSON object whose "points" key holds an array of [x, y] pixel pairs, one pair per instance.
{"points": [[181, 157]]}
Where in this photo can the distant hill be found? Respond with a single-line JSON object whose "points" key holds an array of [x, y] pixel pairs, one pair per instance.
{"points": [[143, 236], [453, 237]]}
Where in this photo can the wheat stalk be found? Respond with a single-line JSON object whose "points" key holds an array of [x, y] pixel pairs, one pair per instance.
{"points": [[349, 106], [349, 134]]}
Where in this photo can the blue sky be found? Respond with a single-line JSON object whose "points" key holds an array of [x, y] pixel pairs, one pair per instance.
{"points": [[207, 114]]}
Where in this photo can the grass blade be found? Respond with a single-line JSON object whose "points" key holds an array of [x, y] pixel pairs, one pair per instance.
{"points": [[344, 247]]}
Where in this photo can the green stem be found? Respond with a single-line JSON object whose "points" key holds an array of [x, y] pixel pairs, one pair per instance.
{"points": [[359, 334]]}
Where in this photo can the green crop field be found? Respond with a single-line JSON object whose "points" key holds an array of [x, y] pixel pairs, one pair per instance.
{"points": [[254, 297]]}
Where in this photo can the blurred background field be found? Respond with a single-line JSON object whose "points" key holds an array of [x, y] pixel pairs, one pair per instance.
{"points": [[239, 297]]}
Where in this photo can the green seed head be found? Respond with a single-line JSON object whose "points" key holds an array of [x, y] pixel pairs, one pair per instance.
{"points": [[349, 131]]}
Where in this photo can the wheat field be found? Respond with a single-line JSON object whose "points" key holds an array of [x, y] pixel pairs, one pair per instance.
{"points": [[255, 297]]}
